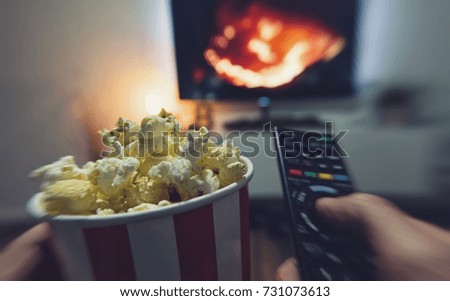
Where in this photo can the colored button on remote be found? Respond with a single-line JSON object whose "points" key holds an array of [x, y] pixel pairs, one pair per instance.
{"points": [[325, 176], [295, 172], [325, 189], [341, 178], [311, 174]]}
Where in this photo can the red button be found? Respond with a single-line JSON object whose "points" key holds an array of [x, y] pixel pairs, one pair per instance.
{"points": [[295, 172]]}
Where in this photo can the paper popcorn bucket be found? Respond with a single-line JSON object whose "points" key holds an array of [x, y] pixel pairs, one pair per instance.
{"points": [[206, 238]]}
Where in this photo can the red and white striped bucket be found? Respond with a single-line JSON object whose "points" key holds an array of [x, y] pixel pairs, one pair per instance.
{"points": [[206, 238]]}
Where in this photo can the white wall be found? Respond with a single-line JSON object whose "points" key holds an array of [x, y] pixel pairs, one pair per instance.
{"points": [[405, 41], [67, 69]]}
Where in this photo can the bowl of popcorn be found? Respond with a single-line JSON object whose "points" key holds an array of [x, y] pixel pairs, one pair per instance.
{"points": [[159, 205]]}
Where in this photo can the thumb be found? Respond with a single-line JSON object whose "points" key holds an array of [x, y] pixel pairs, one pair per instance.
{"points": [[354, 212]]}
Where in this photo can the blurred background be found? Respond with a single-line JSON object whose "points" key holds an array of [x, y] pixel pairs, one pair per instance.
{"points": [[380, 69]]}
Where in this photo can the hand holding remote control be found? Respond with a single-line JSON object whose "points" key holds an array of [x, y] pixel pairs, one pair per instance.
{"points": [[404, 248], [312, 168]]}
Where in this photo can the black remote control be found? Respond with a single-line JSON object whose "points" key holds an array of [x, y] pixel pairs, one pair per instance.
{"points": [[312, 167]]}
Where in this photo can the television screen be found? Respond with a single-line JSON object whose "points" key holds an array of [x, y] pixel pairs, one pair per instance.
{"points": [[281, 49]]}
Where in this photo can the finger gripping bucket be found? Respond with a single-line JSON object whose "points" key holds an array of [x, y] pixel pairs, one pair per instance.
{"points": [[206, 238]]}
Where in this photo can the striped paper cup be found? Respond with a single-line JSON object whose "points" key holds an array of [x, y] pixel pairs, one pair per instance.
{"points": [[206, 238]]}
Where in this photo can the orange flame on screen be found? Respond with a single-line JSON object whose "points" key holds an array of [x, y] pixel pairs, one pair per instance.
{"points": [[262, 47]]}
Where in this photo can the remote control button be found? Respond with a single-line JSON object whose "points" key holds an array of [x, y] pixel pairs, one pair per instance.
{"points": [[299, 183], [302, 230], [313, 250], [310, 174], [294, 193], [334, 258], [320, 273], [301, 198], [295, 181], [323, 166], [307, 163], [338, 167], [341, 178], [308, 222], [325, 176], [293, 161], [295, 172], [326, 189], [305, 181], [325, 274]]}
